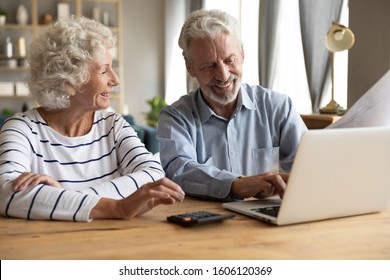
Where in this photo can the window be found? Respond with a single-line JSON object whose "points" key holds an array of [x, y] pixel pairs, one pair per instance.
{"points": [[290, 77], [247, 12]]}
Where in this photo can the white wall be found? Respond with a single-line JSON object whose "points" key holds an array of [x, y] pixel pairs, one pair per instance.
{"points": [[143, 53]]}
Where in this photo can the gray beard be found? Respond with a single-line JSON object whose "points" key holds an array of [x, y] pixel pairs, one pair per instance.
{"points": [[227, 98]]}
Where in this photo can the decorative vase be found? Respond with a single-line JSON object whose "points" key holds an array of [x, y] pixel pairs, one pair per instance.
{"points": [[22, 15], [8, 48], [2, 19], [96, 13]]}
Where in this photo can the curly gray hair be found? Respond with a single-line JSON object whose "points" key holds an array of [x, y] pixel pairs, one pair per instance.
{"points": [[207, 24], [59, 59]]}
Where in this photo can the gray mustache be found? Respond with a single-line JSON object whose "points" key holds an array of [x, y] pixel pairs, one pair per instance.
{"points": [[232, 77]]}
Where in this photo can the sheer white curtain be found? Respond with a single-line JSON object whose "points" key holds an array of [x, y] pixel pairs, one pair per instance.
{"points": [[316, 17], [290, 74], [247, 12], [269, 18], [175, 71], [177, 80]]}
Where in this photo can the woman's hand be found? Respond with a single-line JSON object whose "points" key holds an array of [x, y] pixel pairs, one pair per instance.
{"points": [[150, 195], [260, 186], [29, 179]]}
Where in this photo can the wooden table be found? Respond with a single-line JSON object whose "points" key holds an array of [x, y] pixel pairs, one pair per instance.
{"points": [[151, 237]]}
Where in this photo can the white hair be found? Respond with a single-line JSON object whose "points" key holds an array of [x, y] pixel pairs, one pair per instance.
{"points": [[207, 24], [59, 59]]}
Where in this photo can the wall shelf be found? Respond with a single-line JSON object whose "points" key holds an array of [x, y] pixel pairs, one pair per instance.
{"points": [[37, 9]]}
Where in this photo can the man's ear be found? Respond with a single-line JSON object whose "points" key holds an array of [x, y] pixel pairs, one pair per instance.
{"points": [[190, 70]]}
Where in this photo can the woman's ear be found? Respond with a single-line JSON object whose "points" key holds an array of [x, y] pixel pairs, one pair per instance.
{"points": [[70, 89]]}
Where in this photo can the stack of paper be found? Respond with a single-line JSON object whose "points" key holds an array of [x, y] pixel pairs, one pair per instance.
{"points": [[372, 109]]}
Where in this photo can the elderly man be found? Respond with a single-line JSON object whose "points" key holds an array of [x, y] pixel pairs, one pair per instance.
{"points": [[226, 140]]}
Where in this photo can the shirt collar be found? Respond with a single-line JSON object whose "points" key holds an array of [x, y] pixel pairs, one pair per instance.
{"points": [[247, 102]]}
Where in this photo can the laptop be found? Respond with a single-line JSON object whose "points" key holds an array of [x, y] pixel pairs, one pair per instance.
{"points": [[336, 173]]}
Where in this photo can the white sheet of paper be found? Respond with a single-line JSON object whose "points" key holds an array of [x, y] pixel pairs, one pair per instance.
{"points": [[372, 109]]}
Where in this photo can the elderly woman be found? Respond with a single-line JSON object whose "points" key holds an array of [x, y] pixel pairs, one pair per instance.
{"points": [[69, 159]]}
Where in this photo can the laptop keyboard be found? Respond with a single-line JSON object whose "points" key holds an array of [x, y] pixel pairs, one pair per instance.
{"points": [[270, 211]]}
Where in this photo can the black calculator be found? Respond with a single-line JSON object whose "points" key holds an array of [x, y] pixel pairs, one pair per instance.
{"points": [[199, 217]]}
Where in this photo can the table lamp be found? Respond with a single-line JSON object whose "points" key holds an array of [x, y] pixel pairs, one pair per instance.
{"points": [[338, 38]]}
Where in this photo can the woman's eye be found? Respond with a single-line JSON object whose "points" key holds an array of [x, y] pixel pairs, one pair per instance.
{"points": [[104, 71]]}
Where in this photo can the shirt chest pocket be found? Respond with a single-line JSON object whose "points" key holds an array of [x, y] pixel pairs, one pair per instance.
{"points": [[265, 160]]}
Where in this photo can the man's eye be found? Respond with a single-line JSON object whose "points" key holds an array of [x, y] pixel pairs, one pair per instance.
{"points": [[229, 61], [208, 67]]}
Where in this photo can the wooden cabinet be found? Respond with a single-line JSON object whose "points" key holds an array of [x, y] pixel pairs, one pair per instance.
{"points": [[13, 93]]}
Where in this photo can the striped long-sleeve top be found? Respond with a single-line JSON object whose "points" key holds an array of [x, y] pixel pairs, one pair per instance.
{"points": [[110, 161]]}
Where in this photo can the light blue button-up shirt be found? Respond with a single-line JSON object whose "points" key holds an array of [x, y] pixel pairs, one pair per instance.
{"points": [[204, 153]]}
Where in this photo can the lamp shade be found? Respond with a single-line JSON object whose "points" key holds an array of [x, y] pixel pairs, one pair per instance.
{"points": [[339, 38]]}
